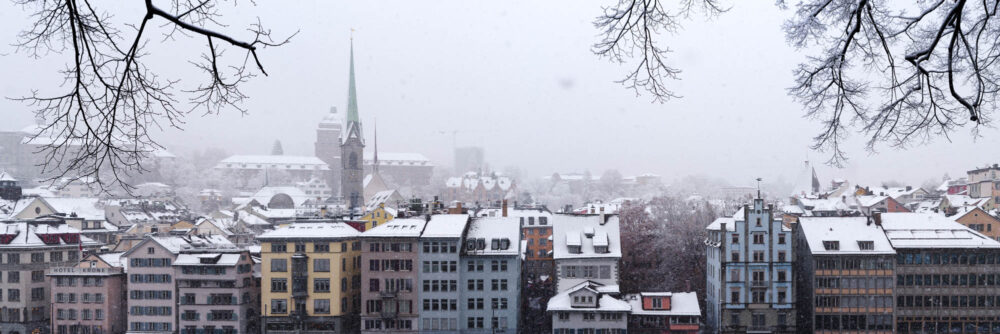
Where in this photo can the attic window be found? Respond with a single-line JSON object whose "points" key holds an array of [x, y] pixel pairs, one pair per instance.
{"points": [[831, 245], [504, 243], [480, 244], [866, 245], [494, 244]]}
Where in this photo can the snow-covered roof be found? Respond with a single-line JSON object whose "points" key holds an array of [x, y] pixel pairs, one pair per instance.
{"points": [[27, 235], [83, 207], [681, 303], [289, 162], [955, 201], [397, 159], [445, 226], [4, 176], [265, 194], [716, 225], [928, 230], [381, 197], [847, 232], [496, 228], [311, 231], [566, 228], [400, 227], [869, 200], [114, 259], [176, 244], [223, 259], [605, 303]]}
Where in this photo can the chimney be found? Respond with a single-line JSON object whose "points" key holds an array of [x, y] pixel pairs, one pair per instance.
{"points": [[602, 216], [908, 188], [877, 217], [503, 205]]}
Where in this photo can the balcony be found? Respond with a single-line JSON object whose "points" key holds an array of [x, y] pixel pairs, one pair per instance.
{"points": [[387, 294], [758, 284], [387, 314]]}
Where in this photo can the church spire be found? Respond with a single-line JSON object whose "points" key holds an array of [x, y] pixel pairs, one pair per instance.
{"points": [[352, 94]]}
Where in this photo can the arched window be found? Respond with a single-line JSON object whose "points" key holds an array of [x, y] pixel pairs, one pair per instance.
{"points": [[353, 161]]}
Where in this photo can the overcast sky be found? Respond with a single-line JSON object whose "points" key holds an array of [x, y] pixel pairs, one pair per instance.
{"points": [[519, 79]]}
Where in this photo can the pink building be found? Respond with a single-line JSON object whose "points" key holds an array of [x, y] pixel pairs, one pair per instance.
{"points": [[88, 298], [388, 297]]}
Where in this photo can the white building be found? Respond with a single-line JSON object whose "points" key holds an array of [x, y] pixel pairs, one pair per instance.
{"points": [[586, 248]]}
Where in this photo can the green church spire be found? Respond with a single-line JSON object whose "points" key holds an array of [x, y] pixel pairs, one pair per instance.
{"points": [[352, 93]]}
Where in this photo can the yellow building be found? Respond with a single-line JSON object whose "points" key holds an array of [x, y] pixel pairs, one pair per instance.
{"points": [[378, 216], [311, 278]]}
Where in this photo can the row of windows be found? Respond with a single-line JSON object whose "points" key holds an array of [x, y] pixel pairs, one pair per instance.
{"points": [[854, 322], [320, 306], [389, 324], [586, 271], [947, 258], [318, 247], [398, 306], [440, 247], [207, 330], [589, 331], [948, 301], [854, 301], [854, 263], [150, 326], [84, 298], [395, 247], [439, 324], [531, 220], [477, 266], [149, 278], [85, 314], [854, 282], [758, 238], [440, 285], [71, 281], [948, 280], [80, 329], [39, 257], [390, 265], [15, 276], [150, 310], [440, 266], [203, 270], [944, 326], [440, 305], [391, 284], [149, 294], [139, 262]]}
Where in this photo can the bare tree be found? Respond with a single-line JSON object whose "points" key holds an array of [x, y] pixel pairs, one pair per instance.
{"points": [[630, 29], [98, 124], [900, 73]]}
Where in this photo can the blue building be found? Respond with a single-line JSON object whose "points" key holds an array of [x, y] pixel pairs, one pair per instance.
{"points": [[749, 273], [491, 275], [440, 274]]}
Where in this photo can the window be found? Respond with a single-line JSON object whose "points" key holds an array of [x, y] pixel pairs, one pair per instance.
{"points": [[279, 248], [279, 306], [735, 257], [321, 285], [37, 257], [657, 303], [781, 256], [279, 265], [831, 245], [734, 297], [321, 306], [320, 265], [279, 285], [781, 238], [300, 248], [782, 276], [866, 245], [758, 256], [321, 247], [735, 238], [758, 238], [758, 320]]}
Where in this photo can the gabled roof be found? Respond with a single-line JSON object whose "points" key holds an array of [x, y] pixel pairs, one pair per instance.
{"points": [[681, 303], [400, 227], [311, 231], [177, 244], [28, 235], [496, 228], [605, 303], [566, 229], [445, 226], [927, 230]]}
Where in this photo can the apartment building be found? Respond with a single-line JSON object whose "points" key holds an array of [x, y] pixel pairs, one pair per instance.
{"points": [[310, 277], [586, 248], [491, 276], [27, 250], [389, 295], [152, 292], [985, 182], [217, 293], [846, 280], [947, 276], [440, 273], [664, 312], [89, 298], [749, 273]]}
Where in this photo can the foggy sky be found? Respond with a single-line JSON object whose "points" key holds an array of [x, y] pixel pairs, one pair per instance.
{"points": [[519, 79]]}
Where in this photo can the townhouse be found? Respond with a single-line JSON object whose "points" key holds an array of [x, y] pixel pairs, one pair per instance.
{"points": [[389, 253], [491, 276], [89, 297]]}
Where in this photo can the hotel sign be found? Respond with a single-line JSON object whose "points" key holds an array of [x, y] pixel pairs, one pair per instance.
{"points": [[83, 271]]}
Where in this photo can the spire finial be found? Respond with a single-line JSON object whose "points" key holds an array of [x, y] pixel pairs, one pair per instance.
{"points": [[758, 187], [375, 155]]}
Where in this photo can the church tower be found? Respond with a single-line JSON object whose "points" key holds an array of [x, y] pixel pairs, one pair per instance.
{"points": [[352, 150]]}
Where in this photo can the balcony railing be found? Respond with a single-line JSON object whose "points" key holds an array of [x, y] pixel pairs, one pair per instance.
{"points": [[388, 293]]}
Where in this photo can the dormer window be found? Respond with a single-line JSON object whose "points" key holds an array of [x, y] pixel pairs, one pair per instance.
{"points": [[831, 245], [866, 245]]}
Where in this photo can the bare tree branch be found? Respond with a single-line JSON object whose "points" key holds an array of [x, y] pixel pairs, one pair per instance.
{"points": [[98, 127]]}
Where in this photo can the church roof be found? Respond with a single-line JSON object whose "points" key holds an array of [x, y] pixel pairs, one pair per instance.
{"points": [[352, 94]]}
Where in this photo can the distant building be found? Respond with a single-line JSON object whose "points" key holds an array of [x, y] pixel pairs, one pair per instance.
{"points": [[327, 147], [352, 150], [979, 220], [985, 182], [589, 307], [484, 189], [9, 188], [749, 273], [469, 159], [217, 292]]}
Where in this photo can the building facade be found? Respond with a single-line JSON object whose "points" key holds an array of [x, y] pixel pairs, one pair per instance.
{"points": [[389, 295], [491, 276], [27, 250], [846, 280], [664, 312], [216, 292], [749, 273], [440, 273], [88, 298], [310, 278], [586, 248]]}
